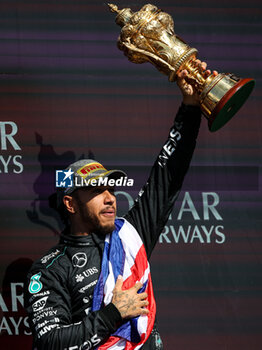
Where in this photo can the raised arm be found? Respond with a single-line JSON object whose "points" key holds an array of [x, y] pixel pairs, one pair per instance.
{"points": [[156, 199]]}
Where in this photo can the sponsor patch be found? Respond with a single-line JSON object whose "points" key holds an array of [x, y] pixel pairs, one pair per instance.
{"points": [[47, 292], [86, 300], [79, 259], [39, 304], [46, 329], [79, 278], [49, 256], [89, 272], [89, 169], [82, 290], [35, 285], [45, 313]]}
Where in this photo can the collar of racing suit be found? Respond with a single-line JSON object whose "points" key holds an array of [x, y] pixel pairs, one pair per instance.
{"points": [[82, 241]]}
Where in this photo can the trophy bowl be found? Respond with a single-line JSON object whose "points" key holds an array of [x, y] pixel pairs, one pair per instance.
{"points": [[148, 36]]}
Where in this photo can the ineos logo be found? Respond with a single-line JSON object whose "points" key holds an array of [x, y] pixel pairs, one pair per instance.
{"points": [[79, 260]]}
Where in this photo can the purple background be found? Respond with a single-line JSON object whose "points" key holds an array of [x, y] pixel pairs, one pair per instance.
{"points": [[71, 92]]}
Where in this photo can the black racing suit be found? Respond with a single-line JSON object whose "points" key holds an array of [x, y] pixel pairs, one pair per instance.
{"points": [[60, 285]]}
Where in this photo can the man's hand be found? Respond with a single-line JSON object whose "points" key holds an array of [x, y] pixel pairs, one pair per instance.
{"points": [[129, 302], [190, 95]]}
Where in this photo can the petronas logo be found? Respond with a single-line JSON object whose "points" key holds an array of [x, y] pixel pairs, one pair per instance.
{"points": [[35, 285]]}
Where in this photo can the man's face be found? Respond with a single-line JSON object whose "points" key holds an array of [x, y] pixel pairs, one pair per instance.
{"points": [[96, 209]]}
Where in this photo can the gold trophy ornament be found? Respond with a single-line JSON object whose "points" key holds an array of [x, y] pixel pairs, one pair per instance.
{"points": [[148, 36]]}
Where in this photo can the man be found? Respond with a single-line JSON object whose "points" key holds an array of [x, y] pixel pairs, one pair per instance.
{"points": [[94, 289]]}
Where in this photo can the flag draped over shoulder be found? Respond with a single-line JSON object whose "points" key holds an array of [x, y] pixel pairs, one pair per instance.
{"points": [[124, 254]]}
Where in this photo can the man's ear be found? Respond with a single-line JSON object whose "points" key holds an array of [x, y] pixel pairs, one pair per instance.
{"points": [[69, 203]]}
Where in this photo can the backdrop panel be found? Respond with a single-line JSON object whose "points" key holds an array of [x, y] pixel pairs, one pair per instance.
{"points": [[67, 92]]}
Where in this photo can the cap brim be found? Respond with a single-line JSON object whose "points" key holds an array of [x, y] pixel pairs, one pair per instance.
{"points": [[114, 174]]}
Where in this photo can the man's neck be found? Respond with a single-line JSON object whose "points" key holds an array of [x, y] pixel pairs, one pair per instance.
{"points": [[78, 230]]}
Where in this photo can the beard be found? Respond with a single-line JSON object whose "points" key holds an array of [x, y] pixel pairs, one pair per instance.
{"points": [[93, 221]]}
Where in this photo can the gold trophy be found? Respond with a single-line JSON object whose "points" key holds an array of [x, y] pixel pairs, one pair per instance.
{"points": [[148, 36]]}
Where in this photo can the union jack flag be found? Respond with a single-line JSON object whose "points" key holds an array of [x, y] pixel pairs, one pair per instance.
{"points": [[124, 254]]}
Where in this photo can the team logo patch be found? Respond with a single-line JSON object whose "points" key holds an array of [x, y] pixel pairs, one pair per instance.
{"points": [[64, 178], [35, 285], [79, 259], [89, 169]]}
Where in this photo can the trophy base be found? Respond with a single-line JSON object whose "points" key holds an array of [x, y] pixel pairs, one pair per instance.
{"points": [[232, 100]]}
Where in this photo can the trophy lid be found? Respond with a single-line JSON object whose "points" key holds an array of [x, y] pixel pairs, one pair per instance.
{"points": [[123, 16]]}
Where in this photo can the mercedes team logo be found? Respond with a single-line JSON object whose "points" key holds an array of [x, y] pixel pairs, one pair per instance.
{"points": [[79, 260]]}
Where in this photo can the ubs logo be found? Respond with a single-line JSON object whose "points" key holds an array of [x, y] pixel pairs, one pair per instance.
{"points": [[79, 260]]}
